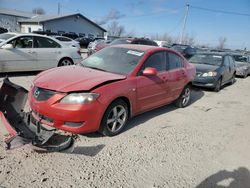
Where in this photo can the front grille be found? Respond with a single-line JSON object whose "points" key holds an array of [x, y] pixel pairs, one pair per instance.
{"points": [[41, 94]]}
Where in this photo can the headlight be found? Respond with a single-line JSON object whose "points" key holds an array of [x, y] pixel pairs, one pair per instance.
{"points": [[209, 74], [79, 98]]}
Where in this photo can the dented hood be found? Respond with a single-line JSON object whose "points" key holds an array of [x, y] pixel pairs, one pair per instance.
{"points": [[74, 78]]}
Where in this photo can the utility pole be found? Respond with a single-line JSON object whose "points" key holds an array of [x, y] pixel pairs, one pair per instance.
{"points": [[59, 9], [184, 24]]}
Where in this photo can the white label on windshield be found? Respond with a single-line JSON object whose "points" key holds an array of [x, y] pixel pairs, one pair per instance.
{"points": [[132, 52], [217, 56]]}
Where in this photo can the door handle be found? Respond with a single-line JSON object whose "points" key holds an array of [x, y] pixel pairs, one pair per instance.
{"points": [[31, 52]]}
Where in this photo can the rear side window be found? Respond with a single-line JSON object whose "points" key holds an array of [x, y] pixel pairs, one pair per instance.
{"points": [[42, 42], [174, 61], [157, 60]]}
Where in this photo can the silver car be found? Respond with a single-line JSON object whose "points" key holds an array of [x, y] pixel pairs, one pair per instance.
{"points": [[242, 63], [31, 52], [68, 41]]}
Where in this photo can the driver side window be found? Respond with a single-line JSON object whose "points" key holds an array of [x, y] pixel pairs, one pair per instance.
{"points": [[157, 60], [22, 42]]}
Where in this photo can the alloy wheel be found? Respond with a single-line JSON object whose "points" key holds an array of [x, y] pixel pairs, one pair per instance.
{"points": [[116, 118]]}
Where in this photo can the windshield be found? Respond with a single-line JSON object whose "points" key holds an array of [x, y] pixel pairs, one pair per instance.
{"points": [[240, 58], [116, 60], [6, 36], [210, 59]]}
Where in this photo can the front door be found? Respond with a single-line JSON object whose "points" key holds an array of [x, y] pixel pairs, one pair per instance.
{"points": [[152, 90], [21, 57]]}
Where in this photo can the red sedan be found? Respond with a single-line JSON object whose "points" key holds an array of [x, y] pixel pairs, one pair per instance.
{"points": [[110, 87]]}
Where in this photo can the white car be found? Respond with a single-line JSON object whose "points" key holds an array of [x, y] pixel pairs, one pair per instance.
{"points": [[32, 52], [68, 41]]}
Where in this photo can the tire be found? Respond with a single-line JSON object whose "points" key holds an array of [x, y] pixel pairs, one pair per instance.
{"points": [[114, 118], [245, 75], [184, 98], [218, 86], [65, 62], [232, 80]]}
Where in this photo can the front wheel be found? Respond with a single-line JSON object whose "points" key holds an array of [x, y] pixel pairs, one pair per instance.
{"points": [[184, 98], [218, 86], [65, 62], [115, 118]]}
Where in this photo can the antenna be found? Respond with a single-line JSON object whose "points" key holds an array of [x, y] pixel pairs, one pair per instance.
{"points": [[59, 9], [184, 24]]}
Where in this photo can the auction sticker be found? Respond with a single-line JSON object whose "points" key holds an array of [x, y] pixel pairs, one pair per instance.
{"points": [[132, 52]]}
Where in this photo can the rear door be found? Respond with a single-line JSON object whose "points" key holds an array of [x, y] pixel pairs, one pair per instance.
{"points": [[177, 76], [152, 90], [47, 51], [227, 69], [21, 57]]}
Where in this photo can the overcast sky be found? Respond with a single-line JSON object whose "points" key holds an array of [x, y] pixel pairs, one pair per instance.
{"points": [[207, 19]]}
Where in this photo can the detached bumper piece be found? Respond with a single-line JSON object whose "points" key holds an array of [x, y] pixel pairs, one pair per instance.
{"points": [[19, 126]]}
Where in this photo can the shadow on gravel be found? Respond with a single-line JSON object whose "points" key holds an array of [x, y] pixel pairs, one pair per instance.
{"points": [[239, 178], [88, 150], [79, 150], [18, 74], [197, 94]]}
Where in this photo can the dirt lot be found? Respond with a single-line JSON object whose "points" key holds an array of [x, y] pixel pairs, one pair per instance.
{"points": [[204, 145]]}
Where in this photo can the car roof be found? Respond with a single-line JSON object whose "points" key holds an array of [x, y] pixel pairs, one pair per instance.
{"points": [[138, 47], [212, 53]]}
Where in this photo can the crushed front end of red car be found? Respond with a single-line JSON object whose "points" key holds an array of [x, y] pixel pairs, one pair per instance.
{"points": [[19, 128]]}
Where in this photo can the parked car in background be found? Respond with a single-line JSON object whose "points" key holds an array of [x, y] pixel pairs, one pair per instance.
{"points": [[242, 63], [3, 30], [186, 50], [109, 87], [213, 70], [32, 52], [83, 41], [68, 41], [97, 45], [70, 35], [141, 41]]}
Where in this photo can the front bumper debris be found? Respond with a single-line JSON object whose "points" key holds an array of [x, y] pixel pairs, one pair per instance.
{"points": [[21, 128]]}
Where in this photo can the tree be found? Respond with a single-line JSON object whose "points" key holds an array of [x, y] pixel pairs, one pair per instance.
{"points": [[38, 10], [114, 29], [222, 41]]}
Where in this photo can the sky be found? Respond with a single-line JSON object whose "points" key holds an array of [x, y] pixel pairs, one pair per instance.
{"points": [[207, 20]]}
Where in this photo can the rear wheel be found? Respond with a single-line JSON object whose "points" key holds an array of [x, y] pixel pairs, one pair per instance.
{"points": [[218, 86], [115, 118], [245, 74], [233, 80], [65, 62], [184, 98]]}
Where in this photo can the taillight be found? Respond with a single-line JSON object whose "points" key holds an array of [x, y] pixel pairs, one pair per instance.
{"points": [[79, 52]]}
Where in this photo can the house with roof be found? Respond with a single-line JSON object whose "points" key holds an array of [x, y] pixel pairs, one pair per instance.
{"points": [[68, 23]]}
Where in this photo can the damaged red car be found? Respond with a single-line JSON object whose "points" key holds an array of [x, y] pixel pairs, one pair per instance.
{"points": [[109, 87]]}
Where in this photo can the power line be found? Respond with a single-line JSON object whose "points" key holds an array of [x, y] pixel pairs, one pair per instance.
{"points": [[220, 11]]}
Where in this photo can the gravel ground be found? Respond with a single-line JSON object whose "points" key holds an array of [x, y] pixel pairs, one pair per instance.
{"points": [[206, 144]]}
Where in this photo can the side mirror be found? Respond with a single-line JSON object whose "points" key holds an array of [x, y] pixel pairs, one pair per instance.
{"points": [[7, 46], [149, 71]]}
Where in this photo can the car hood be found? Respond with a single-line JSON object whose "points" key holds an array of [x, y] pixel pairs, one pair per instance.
{"points": [[74, 78], [205, 68]]}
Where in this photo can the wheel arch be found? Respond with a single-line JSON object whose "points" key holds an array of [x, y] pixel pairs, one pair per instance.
{"points": [[65, 57]]}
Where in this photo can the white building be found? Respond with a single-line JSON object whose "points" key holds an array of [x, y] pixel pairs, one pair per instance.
{"points": [[70, 23]]}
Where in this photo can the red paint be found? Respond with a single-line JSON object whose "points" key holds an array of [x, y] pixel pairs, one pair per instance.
{"points": [[143, 92]]}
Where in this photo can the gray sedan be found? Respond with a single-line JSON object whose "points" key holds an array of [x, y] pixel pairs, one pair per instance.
{"points": [[32, 52]]}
